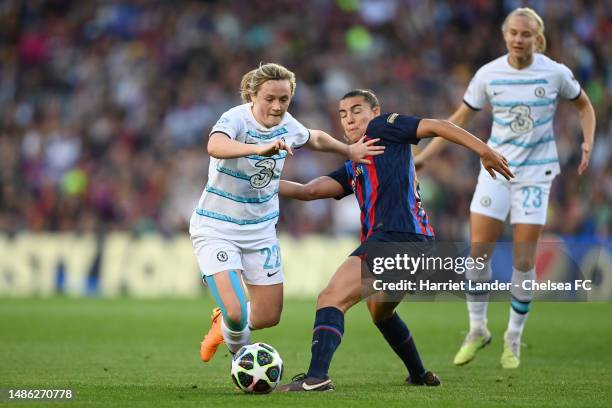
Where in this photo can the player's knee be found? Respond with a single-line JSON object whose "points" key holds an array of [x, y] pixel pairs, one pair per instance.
{"points": [[373, 309], [270, 319], [481, 250], [379, 313]]}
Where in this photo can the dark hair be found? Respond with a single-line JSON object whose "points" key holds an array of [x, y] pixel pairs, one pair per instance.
{"points": [[368, 95]]}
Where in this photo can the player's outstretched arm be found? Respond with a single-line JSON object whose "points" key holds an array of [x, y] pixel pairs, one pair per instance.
{"points": [[220, 146], [460, 118], [491, 160], [321, 187], [587, 122], [356, 152]]}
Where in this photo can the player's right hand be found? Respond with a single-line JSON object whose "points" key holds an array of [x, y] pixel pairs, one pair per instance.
{"points": [[362, 149], [495, 162], [273, 148]]}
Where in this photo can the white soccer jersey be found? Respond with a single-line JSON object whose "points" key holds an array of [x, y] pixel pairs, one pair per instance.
{"points": [[523, 104], [241, 195]]}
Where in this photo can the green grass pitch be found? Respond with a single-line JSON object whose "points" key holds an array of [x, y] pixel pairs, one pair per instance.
{"points": [[129, 352]]}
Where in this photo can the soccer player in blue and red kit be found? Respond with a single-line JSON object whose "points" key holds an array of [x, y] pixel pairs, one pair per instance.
{"points": [[391, 211]]}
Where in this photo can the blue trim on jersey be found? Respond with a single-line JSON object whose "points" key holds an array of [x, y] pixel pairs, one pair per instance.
{"points": [[367, 194], [412, 201], [537, 102], [501, 122], [263, 136], [223, 217], [545, 139], [233, 173], [238, 174], [534, 162], [537, 123], [239, 199], [544, 121], [279, 156], [518, 81]]}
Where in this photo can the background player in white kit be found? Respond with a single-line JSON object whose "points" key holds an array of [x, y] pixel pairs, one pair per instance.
{"points": [[233, 229], [523, 88]]}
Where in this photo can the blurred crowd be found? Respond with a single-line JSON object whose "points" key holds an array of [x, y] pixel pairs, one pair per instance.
{"points": [[105, 106]]}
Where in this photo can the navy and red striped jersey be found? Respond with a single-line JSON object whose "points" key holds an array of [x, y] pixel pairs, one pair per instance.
{"points": [[387, 189]]}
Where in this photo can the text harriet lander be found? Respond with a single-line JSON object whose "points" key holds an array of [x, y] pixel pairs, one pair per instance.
{"points": [[427, 285]]}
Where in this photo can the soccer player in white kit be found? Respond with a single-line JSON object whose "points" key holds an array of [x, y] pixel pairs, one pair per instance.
{"points": [[523, 88], [233, 229]]}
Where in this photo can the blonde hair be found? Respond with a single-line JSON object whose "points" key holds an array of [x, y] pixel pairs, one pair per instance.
{"points": [[528, 12], [252, 80]]}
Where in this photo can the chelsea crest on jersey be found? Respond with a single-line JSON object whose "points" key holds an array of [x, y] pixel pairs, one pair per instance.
{"points": [[241, 194], [523, 104]]}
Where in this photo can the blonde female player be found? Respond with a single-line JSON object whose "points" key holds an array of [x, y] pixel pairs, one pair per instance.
{"points": [[523, 88], [233, 229]]}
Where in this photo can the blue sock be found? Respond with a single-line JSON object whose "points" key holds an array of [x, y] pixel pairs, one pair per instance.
{"points": [[400, 339], [326, 337]]}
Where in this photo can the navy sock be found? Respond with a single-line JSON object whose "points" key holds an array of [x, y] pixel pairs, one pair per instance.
{"points": [[326, 337], [400, 339]]}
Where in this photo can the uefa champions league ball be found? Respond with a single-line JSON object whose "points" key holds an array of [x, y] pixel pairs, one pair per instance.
{"points": [[257, 368]]}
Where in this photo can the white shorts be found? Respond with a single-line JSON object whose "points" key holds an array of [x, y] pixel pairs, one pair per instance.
{"points": [[527, 201], [259, 260]]}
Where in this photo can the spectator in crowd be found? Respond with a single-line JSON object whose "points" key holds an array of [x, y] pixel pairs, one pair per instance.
{"points": [[105, 106]]}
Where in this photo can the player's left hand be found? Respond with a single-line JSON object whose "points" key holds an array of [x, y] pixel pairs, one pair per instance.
{"points": [[496, 162], [586, 156], [362, 149]]}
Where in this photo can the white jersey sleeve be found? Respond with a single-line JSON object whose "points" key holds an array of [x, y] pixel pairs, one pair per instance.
{"points": [[297, 135], [230, 124], [476, 95], [569, 88]]}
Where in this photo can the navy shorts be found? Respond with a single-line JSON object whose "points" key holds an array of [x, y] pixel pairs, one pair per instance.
{"points": [[388, 236]]}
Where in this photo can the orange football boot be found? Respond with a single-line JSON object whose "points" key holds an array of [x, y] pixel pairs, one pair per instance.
{"points": [[214, 337]]}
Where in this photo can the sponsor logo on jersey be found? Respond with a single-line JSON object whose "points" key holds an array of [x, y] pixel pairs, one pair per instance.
{"points": [[540, 92], [222, 256], [392, 117]]}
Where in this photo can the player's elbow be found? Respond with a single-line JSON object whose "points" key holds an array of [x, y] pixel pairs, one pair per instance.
{"points": [[213, 149], [310, 192]]}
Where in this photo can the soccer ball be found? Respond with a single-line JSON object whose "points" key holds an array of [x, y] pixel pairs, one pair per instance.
{"points": [[257, 368]]}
